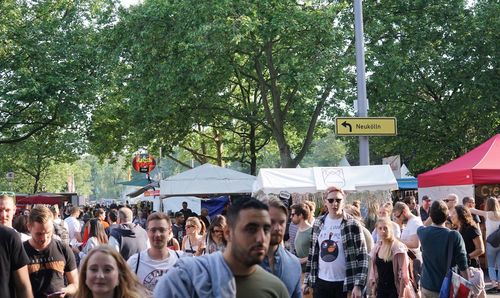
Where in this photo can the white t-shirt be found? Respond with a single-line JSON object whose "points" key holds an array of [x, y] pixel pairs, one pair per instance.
{"points": [[74, 226], [411, 229], [331, 251], [150, 271]]}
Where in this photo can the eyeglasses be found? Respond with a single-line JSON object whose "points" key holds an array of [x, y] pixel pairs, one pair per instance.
{"points": [[334, 200]]}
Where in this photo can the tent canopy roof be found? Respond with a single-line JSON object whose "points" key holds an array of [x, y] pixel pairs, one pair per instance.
{"points": [[317, 179], [481, 165], [207, 179]]}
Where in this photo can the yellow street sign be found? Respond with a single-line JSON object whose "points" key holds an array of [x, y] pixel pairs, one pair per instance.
{"points": [[366, 126]]}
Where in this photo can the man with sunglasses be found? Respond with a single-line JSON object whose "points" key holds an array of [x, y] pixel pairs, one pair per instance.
{"points": [[338, 259], [410, 223], [7, 211]]}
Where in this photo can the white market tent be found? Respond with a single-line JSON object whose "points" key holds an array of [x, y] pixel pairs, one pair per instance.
{"points": [[318, 179], [207, 179]]}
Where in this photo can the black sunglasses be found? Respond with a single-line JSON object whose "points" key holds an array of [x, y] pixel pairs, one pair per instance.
{"points": [[334, 200]]}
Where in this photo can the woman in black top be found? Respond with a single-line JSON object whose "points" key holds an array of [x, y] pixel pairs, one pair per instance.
{"points": [[462, 219], [474, 246]]}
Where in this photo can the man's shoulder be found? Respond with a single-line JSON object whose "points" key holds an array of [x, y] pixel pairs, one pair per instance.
{"points": [[8, 233], [289, 257], [268, 281]]}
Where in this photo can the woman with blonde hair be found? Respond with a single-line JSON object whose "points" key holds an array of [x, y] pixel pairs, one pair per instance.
{"points": [[491, 214], [385, 211], [192, 243], [104, 273], [389, 276]]}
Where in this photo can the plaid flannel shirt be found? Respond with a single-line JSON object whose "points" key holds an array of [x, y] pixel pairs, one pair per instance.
{"points": [[356, 254]]}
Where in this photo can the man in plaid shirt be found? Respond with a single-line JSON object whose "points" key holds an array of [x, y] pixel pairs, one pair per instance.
{"points": [[338, 258]]}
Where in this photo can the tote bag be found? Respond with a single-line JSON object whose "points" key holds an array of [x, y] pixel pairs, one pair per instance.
{"points": [[454, 285]]}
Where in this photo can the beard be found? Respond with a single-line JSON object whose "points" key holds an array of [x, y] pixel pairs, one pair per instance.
{"points": [[248, 256], [276, 239]]}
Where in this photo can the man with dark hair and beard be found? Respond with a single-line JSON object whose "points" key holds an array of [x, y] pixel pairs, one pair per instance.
{"points": [[234, 273], [280, 261]]}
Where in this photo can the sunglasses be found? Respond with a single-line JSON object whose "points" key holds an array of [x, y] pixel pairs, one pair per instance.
{"points": [[187, 227], [334, 200], [8, 193], [446, 200]]}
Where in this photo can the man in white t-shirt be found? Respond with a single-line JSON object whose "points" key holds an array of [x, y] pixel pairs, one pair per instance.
{"points": [[150, 264], [338, 259], [410, 223], [74, 227]]}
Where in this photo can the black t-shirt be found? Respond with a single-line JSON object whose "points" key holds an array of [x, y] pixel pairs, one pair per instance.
{"points": [[12, 258], [178, 232], [47, 267], [469, 233]]}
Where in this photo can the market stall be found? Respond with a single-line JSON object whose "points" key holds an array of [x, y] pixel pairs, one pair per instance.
{"points": [[318, 179], [462, 176]]}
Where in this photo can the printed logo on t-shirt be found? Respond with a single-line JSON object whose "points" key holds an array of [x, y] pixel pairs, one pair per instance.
{"points": [[152, 278], [329, 249]]}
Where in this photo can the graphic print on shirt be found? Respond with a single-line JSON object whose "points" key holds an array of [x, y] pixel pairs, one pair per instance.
{"points": [[331, 263], [329, 249], [152, 278]]}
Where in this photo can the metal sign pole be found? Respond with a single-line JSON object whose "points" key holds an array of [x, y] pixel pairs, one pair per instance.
{"points": [[364, 149]]}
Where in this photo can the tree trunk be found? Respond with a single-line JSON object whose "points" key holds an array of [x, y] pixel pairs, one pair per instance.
{"points": [[253, 150]]}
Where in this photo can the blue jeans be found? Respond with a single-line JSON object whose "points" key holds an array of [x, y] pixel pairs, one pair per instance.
{"points": [[493, 259]]}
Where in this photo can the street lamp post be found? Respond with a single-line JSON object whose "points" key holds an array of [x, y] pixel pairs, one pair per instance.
{"points": [[364, 148]]}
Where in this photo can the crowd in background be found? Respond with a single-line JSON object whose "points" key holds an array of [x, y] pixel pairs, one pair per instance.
{"points": [[329, 250]]}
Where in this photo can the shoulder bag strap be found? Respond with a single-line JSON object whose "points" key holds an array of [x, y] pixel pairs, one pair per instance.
{"points": [[138, 260], [450, 250]]}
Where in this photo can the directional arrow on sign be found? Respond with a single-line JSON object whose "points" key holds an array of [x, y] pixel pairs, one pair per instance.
{"points": [[365, 126], [345, 124]]}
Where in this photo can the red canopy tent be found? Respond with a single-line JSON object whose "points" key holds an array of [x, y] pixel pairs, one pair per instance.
{"points": [[479, 166], [22, 200]]}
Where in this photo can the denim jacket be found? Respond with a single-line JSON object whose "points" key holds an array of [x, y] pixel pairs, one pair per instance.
{"points": [[287, 269]]}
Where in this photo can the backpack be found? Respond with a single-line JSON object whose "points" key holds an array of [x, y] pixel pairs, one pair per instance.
{"points": [[61, 231], [494, 238]]}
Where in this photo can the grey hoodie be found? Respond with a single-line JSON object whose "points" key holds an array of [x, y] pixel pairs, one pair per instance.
{"points": [[206, 276]]}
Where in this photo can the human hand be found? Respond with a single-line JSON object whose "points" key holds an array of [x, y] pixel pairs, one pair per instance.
{"points": [[58, 294], [356, 292], [305, 289]]}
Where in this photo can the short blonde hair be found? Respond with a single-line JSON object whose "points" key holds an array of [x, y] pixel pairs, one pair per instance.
{"points": [[40, 214]]}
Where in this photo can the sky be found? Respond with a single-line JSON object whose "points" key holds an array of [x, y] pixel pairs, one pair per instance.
{"points": [[127, 3]]}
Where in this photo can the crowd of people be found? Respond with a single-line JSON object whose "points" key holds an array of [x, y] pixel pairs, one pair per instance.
{"points": [[255, 248]]}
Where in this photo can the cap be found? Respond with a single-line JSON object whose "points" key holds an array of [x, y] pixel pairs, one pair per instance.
{"points": [[425, 198]]}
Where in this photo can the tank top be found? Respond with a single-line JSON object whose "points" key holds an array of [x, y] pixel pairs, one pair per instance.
{"points": [[491, 225], [190, 249], [385, 273]]}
